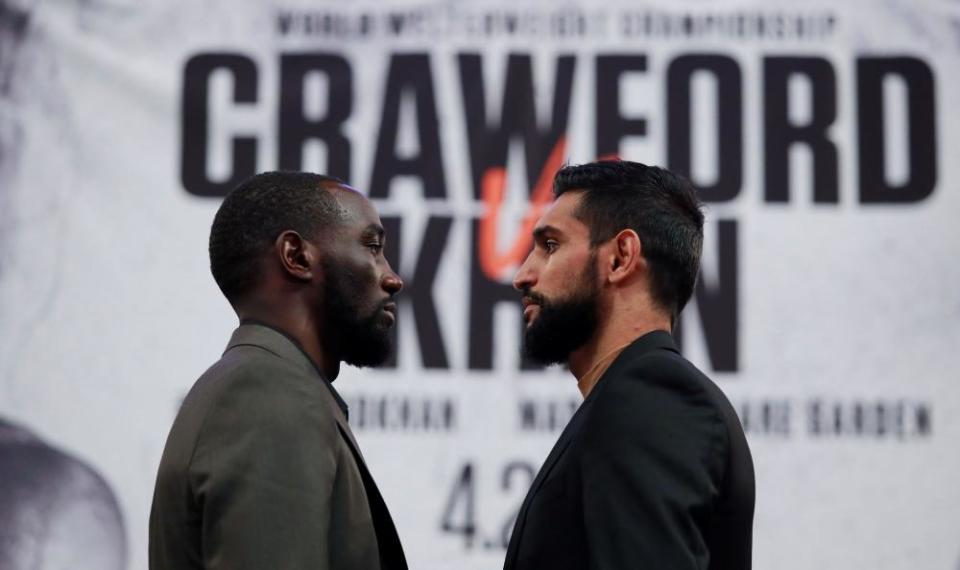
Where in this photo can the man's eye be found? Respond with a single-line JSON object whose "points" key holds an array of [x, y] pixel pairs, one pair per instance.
{"points": [[550, 245], [375, 247]]}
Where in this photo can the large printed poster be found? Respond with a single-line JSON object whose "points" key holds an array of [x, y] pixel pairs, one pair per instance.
{"points": [[822, 135]]}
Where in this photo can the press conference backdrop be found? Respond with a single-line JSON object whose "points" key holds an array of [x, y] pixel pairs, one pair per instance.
{"points": [[824, 136]]}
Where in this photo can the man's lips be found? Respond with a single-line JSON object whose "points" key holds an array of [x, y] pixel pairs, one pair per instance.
{"points": [[391, 310], [529, 307]]}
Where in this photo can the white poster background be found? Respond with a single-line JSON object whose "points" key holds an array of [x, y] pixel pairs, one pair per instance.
{"points": [[108, 312]]}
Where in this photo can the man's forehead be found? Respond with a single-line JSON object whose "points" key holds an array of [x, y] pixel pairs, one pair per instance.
{"points": [[561, 214], [355, 208]]}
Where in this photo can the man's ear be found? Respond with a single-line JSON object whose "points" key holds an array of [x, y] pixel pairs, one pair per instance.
{"points": [[626, 258], [298, 257]]}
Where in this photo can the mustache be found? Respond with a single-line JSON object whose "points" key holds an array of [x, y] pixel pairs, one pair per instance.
{"points": [[534, 297]]}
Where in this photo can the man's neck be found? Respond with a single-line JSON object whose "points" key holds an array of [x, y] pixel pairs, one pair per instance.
{"points": [[612, 335]]}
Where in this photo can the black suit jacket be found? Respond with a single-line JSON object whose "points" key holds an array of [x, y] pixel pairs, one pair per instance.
{"points": [[261, 471], [653, 471]]}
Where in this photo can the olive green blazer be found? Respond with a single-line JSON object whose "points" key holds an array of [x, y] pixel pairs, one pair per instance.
{"points": [[260, 471]]}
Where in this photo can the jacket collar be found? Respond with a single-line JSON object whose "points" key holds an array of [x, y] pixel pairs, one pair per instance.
{"points": [[649, 342], [259, 334], [654, 340]]}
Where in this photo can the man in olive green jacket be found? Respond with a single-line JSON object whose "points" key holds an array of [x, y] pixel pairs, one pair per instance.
{"points": [[261, 470]]}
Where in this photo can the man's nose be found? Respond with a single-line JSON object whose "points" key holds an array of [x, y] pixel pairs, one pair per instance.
{"points": [[525, 277], [391, 282]]}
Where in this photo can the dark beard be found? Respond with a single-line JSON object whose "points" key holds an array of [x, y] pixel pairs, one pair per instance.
{"points": [[361, 339], [563, 325]]}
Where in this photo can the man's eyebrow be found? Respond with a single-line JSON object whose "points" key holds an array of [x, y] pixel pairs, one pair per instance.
{"points": [[373, 230], [540, 231]]}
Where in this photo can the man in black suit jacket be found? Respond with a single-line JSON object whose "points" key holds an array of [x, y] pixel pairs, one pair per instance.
{"points": [[260, 469], [653, 470]]}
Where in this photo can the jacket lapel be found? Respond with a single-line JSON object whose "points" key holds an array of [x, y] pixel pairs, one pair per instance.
{"points": [[572, 428]]}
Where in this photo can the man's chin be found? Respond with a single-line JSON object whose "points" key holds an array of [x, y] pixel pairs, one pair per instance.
{"points": [[542, 350], [551, 336], [366, 361], [371, 353]]}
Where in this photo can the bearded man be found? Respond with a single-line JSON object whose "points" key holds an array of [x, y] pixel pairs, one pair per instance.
{"points": [[260, 469], [653, 470]]}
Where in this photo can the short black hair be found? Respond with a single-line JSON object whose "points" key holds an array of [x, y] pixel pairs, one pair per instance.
{"points": [[662, 207], [256, 212]]}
